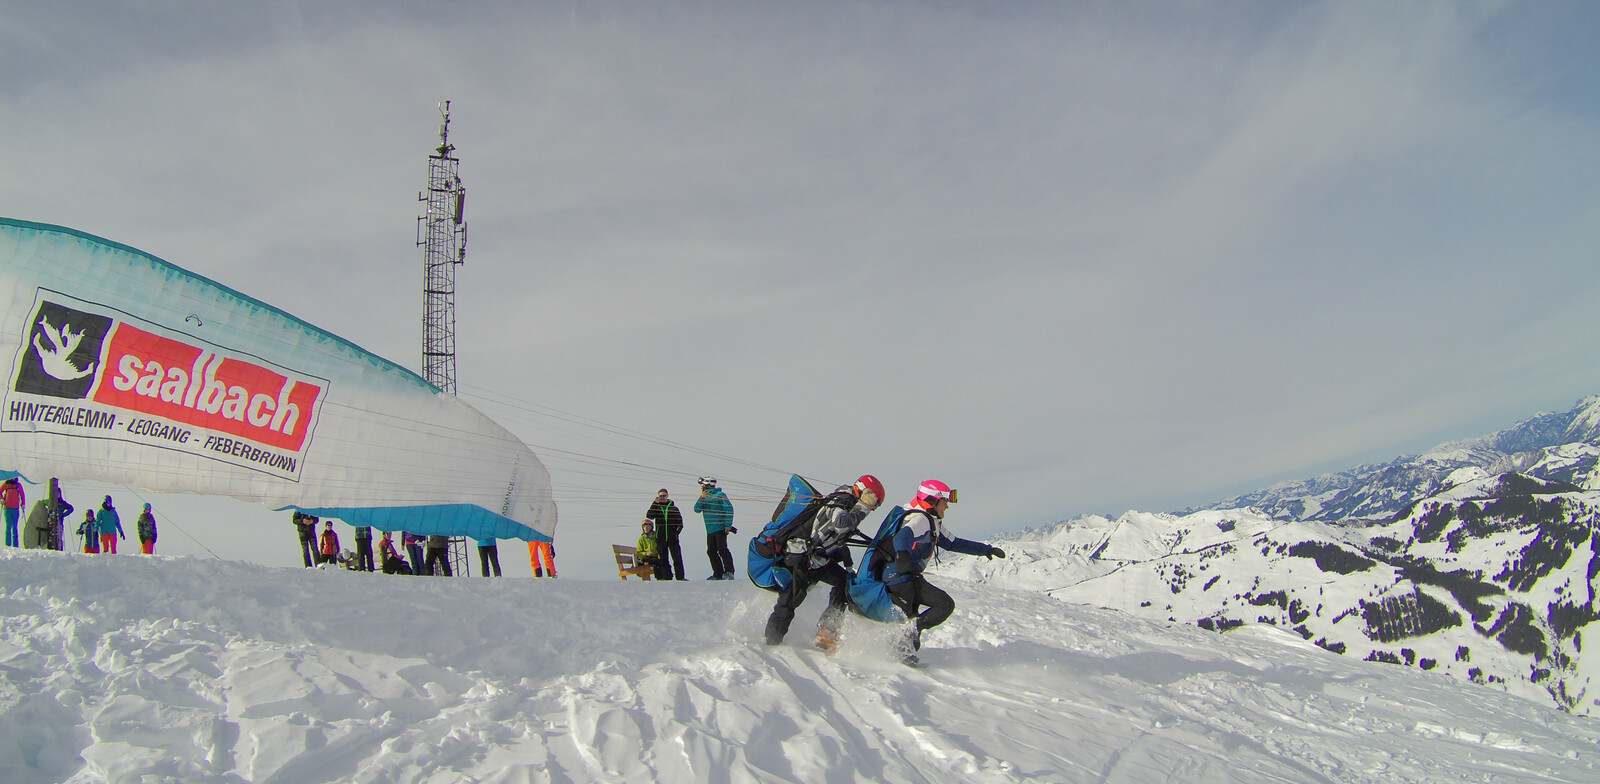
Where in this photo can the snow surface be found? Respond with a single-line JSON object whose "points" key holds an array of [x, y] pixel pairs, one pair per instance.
{"points": [[130, 668]]}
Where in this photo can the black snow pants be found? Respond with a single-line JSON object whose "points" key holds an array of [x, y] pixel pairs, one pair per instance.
{"points": [[915, 592], [790, 599]]}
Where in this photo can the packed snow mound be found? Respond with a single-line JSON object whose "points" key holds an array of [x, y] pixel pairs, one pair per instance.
{"points": [[125, 668]]}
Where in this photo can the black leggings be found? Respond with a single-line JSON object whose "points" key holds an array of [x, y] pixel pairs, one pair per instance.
{"points": [[490, 556]]}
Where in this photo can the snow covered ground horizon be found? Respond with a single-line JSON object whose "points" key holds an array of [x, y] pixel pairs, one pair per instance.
{"points": [[134, 668]]}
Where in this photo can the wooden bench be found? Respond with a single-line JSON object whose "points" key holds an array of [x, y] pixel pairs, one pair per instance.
{"points": [[626, 566]]}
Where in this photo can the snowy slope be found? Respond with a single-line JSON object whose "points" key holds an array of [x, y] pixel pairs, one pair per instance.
{"points": [[125, 668], [1492, 580]]}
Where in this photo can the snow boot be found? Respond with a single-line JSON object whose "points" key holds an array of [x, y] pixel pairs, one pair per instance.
{"points": [[827, 641]]}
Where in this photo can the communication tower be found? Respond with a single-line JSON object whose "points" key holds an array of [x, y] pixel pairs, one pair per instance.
{"points": [[442, 235]]}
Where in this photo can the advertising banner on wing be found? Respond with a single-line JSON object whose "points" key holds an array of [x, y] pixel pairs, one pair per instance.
{"points": [[126, 369], [85, 369]]}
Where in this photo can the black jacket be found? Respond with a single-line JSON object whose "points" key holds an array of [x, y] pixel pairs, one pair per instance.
{"points": [[668, 520]]}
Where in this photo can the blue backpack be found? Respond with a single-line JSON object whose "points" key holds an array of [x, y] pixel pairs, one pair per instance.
{"points": [[798, 507], [868, 594]]}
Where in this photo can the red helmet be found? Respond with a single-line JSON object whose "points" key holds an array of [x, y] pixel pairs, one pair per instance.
{"points": [[869, 483]]}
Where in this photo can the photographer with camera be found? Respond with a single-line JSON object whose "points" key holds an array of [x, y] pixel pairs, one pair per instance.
{"points": [[717, 510]]}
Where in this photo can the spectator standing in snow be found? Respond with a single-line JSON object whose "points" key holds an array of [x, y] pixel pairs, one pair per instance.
{"points": [[413, 545], [921, 532], [147, 531], [364, 549], [489, 555], [306, 528], [329, 544], [714, 506], [110, 527], [668, 525], [438, 557], [89, 532], [13, 499], [821, 554], [543, 557], [59, 511]]}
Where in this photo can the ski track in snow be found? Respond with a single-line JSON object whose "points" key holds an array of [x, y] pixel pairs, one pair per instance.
{"points": [[133, 668]]}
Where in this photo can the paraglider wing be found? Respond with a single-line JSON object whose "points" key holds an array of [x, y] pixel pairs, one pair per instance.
{"points": [[128, 370]]}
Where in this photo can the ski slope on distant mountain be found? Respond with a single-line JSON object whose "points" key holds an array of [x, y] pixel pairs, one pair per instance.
{"points": [[117, 668]]}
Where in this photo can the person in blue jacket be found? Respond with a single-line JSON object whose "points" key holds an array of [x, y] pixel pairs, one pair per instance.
{"points": [[921, 532], [110, 527], [714, 506]]}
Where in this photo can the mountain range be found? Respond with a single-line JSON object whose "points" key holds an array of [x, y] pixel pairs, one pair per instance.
{"points": [[1476, 559]]}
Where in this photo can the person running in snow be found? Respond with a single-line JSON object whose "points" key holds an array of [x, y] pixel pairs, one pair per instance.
{"points": [[328, 545], [89, 532], [110, 527], [13, 499], [489, 555], [821, 555], [668, 524], [147, 531], [921, 532], [714, 506]]}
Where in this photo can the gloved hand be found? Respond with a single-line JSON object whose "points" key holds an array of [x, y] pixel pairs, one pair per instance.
{"points": [[995, 552], [732, 530], [870, 499], [903, 563]]}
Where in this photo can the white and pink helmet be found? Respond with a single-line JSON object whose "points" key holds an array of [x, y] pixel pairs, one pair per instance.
{"points": [[932, 491]]}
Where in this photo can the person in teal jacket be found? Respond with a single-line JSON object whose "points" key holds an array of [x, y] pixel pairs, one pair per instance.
{"points": [[110, 527], [717, 510]]}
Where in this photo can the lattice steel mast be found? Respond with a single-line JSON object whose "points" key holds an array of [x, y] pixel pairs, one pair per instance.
{"points": [[442, 235]]}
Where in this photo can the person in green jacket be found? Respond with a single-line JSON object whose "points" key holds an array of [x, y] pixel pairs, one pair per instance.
{"points": [[647, 552], [110, 527]]}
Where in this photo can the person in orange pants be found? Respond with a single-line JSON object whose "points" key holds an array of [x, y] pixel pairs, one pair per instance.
{"points": [[546, 552]]}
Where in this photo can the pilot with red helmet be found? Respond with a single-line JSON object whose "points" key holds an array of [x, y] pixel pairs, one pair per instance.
{"points": [[816, 555], [921, 532]]}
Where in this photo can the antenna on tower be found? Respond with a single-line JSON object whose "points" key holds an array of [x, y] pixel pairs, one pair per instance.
{"points": [[442, 235]]}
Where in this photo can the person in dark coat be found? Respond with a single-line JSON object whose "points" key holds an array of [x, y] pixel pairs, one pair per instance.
{"points": [[364, 549], [438, 563], [147, 531], [669, 525], [89, 532], [306, 527], [59, 511]]}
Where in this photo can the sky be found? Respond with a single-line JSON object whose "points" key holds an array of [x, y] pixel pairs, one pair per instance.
{"points": [[1068, 258]]}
